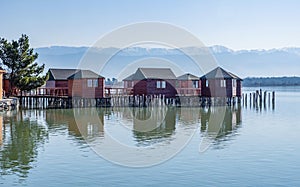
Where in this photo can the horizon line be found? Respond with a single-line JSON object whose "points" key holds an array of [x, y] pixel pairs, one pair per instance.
{"points": [[234, 50]]}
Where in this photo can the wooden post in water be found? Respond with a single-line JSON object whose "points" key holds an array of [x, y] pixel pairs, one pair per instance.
{"points": [[265, 98], [253, 98], [256, 96], [273, 100], [260, 96], [250, 100]]}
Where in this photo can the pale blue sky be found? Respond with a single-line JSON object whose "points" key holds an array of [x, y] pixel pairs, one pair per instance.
{"points": [[236, 24]]}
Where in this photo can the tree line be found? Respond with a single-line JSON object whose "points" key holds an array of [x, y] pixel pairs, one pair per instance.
{"points": [[271, 81]]}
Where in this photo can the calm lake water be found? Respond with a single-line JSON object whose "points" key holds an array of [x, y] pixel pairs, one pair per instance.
{"points": [[188, 146]]}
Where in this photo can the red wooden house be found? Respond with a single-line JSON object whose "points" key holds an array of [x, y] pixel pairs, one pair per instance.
{"points": [[152, 81], [74, 83], [57, 84], [188, 85], [86, 84], [59, 77], [220, 83]]}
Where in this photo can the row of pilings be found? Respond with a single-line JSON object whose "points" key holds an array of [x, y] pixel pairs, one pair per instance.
{"points": [[259, 99], [179, 101], [256, 99], [50, 102]]}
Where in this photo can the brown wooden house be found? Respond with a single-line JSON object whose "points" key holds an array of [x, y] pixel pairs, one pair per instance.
{"points": [[220, 83], [86, 84], [57, 84], [59, 77], [152, 81], [188, 85]]}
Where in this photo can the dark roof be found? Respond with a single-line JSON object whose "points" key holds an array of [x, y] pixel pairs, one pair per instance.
{"points": [[187, 76], [86, 74], [219, 73], [152, 73], [129, 78], [60, 74]]}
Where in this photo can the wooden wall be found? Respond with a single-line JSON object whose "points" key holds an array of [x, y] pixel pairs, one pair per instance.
{"points": [[215, 89], [61, 83], [79, 88], [148, 87]]}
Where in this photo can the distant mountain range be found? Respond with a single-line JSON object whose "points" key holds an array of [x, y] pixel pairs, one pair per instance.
{"points": [[244, 63]]}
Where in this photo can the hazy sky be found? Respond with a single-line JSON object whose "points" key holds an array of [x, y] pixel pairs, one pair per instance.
{"points": [[237, 24]]}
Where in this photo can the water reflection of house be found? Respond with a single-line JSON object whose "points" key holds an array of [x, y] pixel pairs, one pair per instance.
{"points": [[220, 83], [188, 115], [152, 81], [164, 129], [87, 122], [230, 120]]}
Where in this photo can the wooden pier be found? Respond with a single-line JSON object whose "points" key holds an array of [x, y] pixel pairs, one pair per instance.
{"points": [[48, 99], [60, 102]]}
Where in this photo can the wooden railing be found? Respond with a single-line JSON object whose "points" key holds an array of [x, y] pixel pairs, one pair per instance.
{"points": [[43, 91], [188, 91], [129, 91], [117, 91], [108, 91]]}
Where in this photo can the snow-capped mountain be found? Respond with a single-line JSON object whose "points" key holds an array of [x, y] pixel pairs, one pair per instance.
{"points": [[245, 63]]}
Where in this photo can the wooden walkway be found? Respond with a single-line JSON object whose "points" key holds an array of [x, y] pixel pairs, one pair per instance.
{"points": [[60, 102], [57, 98]]}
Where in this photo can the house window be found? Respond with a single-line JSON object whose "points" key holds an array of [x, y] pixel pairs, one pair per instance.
{"points": [[92, 83], [234, 83], [195, 84], [89, 83], [206, 83], [163, 84], [160, 84], [157, 84], [95, 83], [223, 83]]}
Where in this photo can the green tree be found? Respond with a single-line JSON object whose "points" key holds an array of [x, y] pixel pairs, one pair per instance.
{"points": [[19, 59]]}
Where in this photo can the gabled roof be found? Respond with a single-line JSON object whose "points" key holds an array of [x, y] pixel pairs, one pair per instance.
{"points": [[152, 73], [187, 76], [60, 74], [85, 74], [219, 73], [129, 78]]}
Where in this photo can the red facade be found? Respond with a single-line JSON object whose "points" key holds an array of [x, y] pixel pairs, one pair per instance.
{"points": [[75, 83], [81, 88], [188, 87], [150, 87], [220, 83], [214, 88]]}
